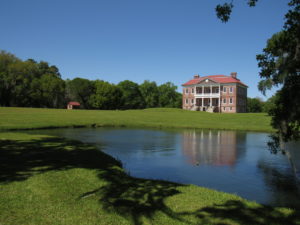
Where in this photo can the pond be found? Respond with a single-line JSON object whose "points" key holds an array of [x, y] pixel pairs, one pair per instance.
{"points": [[229, 161]]}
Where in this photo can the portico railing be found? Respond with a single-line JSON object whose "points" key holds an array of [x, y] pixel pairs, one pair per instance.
{"points": [[208, 91], [207, 95]]}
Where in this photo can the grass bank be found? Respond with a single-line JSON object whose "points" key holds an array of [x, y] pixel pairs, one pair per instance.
{"points": [[50, 180], [30, 118]]}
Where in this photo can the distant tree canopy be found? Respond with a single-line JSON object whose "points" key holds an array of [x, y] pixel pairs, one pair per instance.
{"points": [[80, 90], [254, 105], [37, 84], [168, 97], [131, 95], [29, 84], [106, 96], [149, 91]]}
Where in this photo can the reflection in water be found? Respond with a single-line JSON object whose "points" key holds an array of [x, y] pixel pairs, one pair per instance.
{"points": [[157, 141], [282, 183], [230, 161], [217, 148]]}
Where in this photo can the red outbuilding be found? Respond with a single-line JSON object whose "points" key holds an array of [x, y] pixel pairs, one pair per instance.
{"points": [[73, 104]]}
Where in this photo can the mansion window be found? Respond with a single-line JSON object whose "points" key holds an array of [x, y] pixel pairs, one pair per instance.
{"points": [[192, 100], [224, 100], [230, 100], [186, 101], [224, 89], [231, 89], [186, 90]]}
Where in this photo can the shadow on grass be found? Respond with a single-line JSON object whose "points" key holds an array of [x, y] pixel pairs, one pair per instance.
{"points": [[238, 212], [131, 197], [134, 199], [21, 159]]}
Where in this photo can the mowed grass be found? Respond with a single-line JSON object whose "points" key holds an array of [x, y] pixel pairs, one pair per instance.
{"points": [[28, 118], [49, 180]]}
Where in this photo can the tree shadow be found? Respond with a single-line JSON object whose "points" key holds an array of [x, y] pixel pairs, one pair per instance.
{"points": [[130, 197], [239, 212], [134, 199], [21, 159]]}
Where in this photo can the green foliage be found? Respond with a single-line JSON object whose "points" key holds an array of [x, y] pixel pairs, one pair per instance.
{"points": [[286, 114], [280, 66], [254, 105], [52, 91], [224, 11], [37, 84], [80, 90], [131, 95], [149, 91], [270, 104], [178, 101], [28, 83], [167, 95], [106, 96]]}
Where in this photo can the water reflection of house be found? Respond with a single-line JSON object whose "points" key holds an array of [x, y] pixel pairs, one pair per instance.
{"points": [[210, 147]]}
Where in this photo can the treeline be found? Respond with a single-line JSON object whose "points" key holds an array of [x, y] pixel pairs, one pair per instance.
{"points": [[38, 84], [258, 105]]}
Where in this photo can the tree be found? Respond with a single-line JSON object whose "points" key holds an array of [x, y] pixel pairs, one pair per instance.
{"points": [[106, 96], [280, 65], [254, 105], [80, 90], [149, 91], [178, 101], [52, 91], [270, 104], [167, 95], [28, 83], [131, 95], [224, 11], [7, 81]]}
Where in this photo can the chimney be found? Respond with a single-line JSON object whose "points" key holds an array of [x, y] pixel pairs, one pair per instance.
{"points": [[233, 75], [196, 76]]}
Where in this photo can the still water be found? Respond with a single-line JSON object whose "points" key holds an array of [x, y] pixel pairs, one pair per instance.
{"points": [[229, 161]]}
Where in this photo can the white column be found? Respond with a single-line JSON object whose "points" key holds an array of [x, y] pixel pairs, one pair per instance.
{"points": [[202, 102], [210, 102], [219, 98]]}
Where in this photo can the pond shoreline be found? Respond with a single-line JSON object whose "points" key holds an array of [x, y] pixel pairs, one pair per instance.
{"points": [[67, 180], [80, 171]]}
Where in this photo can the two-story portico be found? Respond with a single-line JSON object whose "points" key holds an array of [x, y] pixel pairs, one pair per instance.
{"points": [[215, 93]]}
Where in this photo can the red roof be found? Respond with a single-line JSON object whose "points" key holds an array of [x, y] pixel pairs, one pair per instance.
{"points": [[74, 103], [216, 78]]}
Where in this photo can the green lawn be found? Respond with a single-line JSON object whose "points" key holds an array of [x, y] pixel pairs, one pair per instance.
{"points": [[25, 118], [49, 180]]}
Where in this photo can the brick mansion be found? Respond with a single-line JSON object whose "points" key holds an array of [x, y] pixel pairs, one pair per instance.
{"points": [[215, 93]]}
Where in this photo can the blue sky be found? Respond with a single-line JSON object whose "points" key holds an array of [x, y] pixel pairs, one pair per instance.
{"points": [[157, 40]]}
